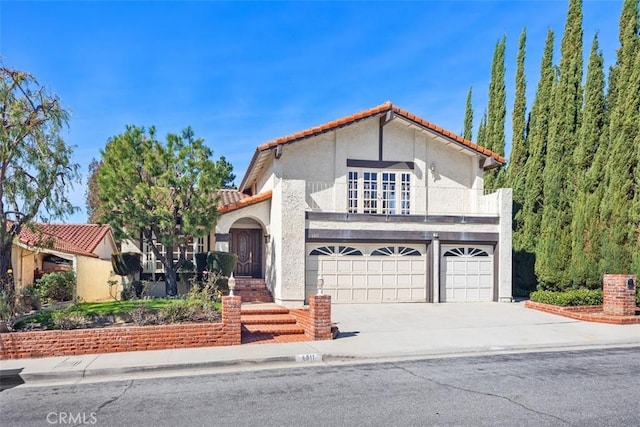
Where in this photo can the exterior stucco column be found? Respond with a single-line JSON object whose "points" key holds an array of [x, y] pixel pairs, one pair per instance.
{"points": [[288, 233], [505, 246], [436, 268]]}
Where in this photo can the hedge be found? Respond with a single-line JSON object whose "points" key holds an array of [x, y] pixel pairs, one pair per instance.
{"points": [[572, 298]]}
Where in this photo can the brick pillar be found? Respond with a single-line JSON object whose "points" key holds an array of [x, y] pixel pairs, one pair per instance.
{"points": [[619, 294], [231, 307], [319, 317]]}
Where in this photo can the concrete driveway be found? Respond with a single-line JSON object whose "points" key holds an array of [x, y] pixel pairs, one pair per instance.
{"points": [[386, 330]]}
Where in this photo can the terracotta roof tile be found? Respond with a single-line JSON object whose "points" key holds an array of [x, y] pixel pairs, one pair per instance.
{"points": [[230, 197], [81, 239], [246, 201], [387, 106]]}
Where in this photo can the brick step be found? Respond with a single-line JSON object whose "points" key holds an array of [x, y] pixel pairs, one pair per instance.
{"points": [[267, 319], [286, 329], [272, 339], [263, 310]]}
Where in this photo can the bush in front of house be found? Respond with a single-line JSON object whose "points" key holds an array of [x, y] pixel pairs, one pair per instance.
{"points": [[59, 286], [571, 298]]}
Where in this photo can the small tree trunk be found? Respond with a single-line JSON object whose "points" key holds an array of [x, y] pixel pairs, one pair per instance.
{"points": [[7, 284], [171, 281]]}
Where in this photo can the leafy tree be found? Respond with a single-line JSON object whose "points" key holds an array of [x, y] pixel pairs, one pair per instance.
{"points": [[94, 208], [530, 215], [588, 169], [164, 192], [554, 253], [36, 170], [496, 113], [519, 149], [226, 171], [468, 118], [620, 202]]}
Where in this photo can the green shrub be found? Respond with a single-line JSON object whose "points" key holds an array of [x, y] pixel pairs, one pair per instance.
{"points": [[126, 263], [69, 318], [223, 262], [30, 298], [179, 310], [572, 298], [57, 286]]}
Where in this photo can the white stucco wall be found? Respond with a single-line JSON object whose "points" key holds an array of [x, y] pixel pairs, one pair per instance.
{"points": [[455, 187]]}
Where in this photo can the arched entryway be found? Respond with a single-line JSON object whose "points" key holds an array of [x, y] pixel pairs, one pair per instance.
{"points": [[246, 240]]}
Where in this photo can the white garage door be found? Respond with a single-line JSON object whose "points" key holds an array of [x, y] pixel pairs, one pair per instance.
{"points": [[467, 273], [368, 272]]}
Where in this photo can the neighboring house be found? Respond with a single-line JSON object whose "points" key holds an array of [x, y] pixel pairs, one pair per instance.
{"points": [[383, 205], [83, 248]]}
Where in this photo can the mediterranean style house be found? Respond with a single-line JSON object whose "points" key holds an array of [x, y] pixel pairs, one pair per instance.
{"points": [[85, 249], [379, 206]]}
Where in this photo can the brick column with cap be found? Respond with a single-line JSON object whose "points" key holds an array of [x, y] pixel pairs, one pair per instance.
{"points": [[231, 311], [619, 294], [320, 317]]}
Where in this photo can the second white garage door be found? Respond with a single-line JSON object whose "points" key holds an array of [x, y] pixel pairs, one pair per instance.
{"points": [[368, 272], [467, 273]]}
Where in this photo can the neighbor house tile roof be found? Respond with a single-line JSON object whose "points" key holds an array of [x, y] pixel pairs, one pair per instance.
{"points": [[383, 108], [230, 197], [80, 239], [245, 201]]}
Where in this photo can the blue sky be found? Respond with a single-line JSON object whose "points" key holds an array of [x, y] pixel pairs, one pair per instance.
{"points": [[242, 73]]}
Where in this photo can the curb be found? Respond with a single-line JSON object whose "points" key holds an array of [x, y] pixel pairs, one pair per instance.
{"points": [[14, 377]]}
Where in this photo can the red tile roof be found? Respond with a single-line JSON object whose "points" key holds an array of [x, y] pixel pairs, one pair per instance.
{"points": [[81, 239], [230, 197], [383, 108], [246, 201]]}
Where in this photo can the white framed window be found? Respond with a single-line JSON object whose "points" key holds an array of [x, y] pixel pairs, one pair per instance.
{"points": [[379, 192]]}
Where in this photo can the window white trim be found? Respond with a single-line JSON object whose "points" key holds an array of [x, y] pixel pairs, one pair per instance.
{"points": [[385, 192]]}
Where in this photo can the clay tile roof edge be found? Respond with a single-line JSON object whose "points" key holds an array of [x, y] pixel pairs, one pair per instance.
{"points": [[252, 200]]}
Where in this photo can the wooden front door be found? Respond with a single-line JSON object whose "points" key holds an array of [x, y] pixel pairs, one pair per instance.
{"points": [[247, 244]]}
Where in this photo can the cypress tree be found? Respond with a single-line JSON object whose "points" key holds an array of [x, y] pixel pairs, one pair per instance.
{"points": [[519, 150], [588, 169], [619, 207], [468, 118], [530, 216], [496, 113], [554, 247]]}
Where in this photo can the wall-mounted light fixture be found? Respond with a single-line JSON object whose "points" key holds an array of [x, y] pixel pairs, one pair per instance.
{"points": [[267, 238]]}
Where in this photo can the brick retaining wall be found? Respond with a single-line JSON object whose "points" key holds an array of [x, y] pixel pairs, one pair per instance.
{"points": [[18, 345], [591, 313]]}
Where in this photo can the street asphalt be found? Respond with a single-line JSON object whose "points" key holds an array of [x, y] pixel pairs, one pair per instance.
{"points": [[368, 332]]}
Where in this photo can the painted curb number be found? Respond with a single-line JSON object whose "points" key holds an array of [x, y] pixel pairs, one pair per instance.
{"points": [[313, 357]]}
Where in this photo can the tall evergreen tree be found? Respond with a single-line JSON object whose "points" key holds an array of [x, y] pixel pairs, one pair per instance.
{"points": [[496, 113], [468, 118], [519, 149], [530, 216], [619, 207], [554, 247], [585, 224]]}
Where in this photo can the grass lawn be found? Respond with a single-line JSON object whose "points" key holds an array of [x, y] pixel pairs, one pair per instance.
{"points": [[44, 318]]}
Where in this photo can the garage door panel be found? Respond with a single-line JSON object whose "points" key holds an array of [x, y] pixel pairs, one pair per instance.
{"points": [[467, 273], [368, 272], [344, 266]]}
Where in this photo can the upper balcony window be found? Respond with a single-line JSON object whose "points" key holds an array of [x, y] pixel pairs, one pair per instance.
{"points": [[378, 192]]}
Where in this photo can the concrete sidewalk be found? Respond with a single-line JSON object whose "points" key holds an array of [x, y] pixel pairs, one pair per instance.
{"points": [[367, 333]]}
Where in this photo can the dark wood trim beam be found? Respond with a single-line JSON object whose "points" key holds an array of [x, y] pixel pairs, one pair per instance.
{"points": [[428, 219], [342, 235], [380, 164]]}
